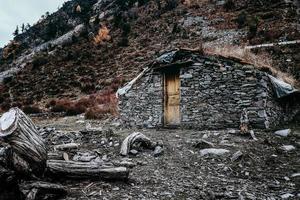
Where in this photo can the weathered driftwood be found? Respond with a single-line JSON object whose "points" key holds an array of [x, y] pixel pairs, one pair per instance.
{"points": [[83, 170], [28, 147], [66, 146], [36, 190], [133, 138]]}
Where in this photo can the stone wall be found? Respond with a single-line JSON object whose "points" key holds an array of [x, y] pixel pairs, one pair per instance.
{"points": [[142, 106], [213, 94]]}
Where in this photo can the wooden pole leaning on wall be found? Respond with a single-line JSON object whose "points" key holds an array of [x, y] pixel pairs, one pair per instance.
{"points": [[29, 153]]}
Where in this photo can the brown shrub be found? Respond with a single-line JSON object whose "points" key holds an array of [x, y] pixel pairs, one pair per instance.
{"points": [[10, 50], [104, 103], [61, 105], [100, 111], [32, 109], [102, 36]]}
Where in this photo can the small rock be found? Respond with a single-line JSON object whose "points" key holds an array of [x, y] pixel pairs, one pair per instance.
{"points": [[116, 144], [133, 152], [158, 151], [105, 158], [98, 160], [237, 155], [233, 131], [286, 196], [283, 133], [288, 147], [116, 189], [213, 151], [203, 144], [127, 164], [160, 143]]}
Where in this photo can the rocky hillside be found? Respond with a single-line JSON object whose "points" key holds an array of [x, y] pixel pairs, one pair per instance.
{"points": [[92, 47]]}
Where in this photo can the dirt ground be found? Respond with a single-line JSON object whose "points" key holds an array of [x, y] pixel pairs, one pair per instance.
{"points": [[264, 171]]}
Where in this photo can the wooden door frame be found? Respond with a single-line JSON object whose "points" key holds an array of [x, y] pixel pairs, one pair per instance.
{"points": [[164, 73]]}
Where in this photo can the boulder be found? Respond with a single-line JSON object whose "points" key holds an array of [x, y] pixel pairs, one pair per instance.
{"points": [[288, 147], [283, 133], [158, 151]]}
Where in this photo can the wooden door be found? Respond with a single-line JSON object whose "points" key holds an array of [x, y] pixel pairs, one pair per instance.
{"points": [[172, 99]]}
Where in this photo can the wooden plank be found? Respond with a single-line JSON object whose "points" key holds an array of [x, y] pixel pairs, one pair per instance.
{"points": [[172, 99]]}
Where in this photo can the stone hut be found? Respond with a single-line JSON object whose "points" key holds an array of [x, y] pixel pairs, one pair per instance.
{"points": [[183, 88]]}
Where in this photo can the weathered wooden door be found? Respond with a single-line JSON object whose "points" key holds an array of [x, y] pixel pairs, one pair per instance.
{"points": [[172, 99]]}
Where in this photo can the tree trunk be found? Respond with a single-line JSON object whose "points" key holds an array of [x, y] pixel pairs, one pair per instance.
{"points": [[83, 170], [135, 137], [29, 149]]}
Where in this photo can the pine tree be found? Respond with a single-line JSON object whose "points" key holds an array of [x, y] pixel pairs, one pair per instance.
{"points": [[16, 32], [23, 28], [27, 26]]}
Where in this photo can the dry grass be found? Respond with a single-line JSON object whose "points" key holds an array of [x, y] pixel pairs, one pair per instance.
{"points": [[262, 61], [93, 105]]}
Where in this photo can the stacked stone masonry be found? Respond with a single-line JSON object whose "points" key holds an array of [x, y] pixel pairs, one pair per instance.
{"points": [[213, 93]]}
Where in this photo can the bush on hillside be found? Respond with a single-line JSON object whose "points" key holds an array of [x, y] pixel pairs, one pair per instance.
{"points": [[39, 60], [34, 109], [171, 4], [242, 19], [229, 5]]}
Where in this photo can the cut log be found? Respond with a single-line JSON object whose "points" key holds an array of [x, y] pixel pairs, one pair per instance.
{"points": [[83, 170], [37, 190], [133, 138], [21, 134], [66, 146]]}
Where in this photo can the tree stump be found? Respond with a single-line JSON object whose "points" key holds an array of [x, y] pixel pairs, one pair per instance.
{"points": [[29, 150]]}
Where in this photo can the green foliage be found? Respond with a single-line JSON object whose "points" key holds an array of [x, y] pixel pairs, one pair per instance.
{"points": [[39, 60], [242, 19], [51, 30], [16, 32], [229, 5], [124, 42], [171, 4], [253, 26], [126, 28], [23, 28]]}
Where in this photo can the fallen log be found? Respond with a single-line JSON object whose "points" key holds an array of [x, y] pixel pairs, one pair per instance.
{"points": [[28, 147], [82, 170], [37, 190], [132, 139]]}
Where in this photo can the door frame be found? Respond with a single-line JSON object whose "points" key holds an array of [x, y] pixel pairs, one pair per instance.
{"points": [[164, 74]]}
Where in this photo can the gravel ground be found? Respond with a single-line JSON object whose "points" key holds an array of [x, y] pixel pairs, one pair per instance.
{"points": [[263, 170]]}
